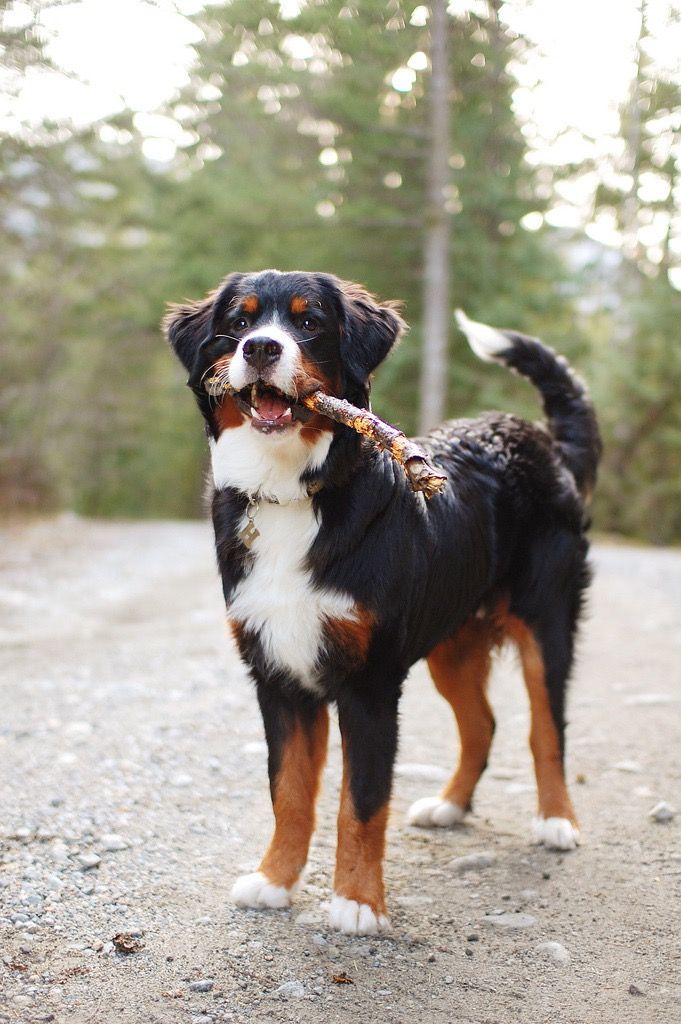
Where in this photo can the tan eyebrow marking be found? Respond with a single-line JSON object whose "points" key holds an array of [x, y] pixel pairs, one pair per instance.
{"points": [[250, 304], [298, 304]]}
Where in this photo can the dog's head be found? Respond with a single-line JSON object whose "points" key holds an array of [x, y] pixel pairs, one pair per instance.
{"points": [[273, 337]]}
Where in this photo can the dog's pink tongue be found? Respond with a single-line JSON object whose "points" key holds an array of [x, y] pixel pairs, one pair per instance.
{"points": [[271, 407]]}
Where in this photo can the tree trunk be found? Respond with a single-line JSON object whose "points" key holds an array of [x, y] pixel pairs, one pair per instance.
{"points": [[436, 312]]}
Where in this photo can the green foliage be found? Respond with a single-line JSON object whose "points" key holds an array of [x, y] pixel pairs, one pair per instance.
{"points": [[636, 365], [277, 117]]}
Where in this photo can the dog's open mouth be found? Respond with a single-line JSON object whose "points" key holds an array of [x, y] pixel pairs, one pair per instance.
{"points": [[270, 409]]}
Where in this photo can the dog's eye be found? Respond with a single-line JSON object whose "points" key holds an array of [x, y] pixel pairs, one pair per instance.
{"points": [[240, 324], [310, 324]]}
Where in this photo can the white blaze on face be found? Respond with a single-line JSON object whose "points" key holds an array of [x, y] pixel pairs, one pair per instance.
{"points": [[281, 375]]}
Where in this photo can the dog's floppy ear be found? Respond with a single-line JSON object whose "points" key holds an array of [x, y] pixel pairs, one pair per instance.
{"points": [[189, 325], [369, 330], [186, 325]]}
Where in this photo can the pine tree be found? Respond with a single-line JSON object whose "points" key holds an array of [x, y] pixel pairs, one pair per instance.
{"points": [[319, 126], [637, 366]]}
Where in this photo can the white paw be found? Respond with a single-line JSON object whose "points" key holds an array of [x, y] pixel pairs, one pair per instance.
{"points": [[356, 918], [256, 890], [434, 812], [555, 833]]}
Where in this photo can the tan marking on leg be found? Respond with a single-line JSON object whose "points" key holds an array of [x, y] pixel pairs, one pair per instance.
{"points": [[294, 794], [359, 851], [460, 667], [553, 797]]}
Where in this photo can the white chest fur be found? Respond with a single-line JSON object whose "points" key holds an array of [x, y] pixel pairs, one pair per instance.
{"points": [[277, 598], [266, 463]]}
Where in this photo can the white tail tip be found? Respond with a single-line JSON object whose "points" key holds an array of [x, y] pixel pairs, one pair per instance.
{"points": [[487, 342]]}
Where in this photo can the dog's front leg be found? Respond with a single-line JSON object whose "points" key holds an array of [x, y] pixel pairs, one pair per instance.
{"points": [[296, 729], [369, 737]]}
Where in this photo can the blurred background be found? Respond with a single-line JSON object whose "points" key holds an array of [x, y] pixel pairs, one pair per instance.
{"points": [[520, 159]]}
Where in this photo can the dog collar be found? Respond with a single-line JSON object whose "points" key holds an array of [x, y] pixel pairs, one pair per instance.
{"points": [[249, 533]]}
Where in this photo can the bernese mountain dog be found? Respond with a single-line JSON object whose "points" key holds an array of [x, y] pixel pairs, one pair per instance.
{"points": [[338, 577]]}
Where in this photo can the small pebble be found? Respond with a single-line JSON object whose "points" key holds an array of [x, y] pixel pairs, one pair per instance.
{"points": [[60, 853], [88, 860], [472, 862], [662, 812], [510, 920], [554, 951], [203, 985], [291, 989], [307, 917], [634, 990], [112, 843], [632, 767]]}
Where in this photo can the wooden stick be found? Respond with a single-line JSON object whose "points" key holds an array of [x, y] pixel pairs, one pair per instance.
{"points": [[411, 457], [421, 474]]}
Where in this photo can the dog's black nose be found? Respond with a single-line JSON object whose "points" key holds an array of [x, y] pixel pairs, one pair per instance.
{"points": [[261, 352]]}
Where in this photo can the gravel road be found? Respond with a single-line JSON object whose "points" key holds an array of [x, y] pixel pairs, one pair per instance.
{"points": [[133, 791]]}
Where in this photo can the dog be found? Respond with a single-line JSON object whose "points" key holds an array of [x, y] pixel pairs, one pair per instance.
{"points": [[338, 577]]}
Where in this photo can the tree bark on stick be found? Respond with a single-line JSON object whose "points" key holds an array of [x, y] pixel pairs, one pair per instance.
{"points": [[421, 473], [436, 311]]}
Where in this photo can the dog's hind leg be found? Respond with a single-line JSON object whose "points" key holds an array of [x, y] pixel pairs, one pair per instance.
{"points": [[546, 655], [297, 733], [460, 668]]}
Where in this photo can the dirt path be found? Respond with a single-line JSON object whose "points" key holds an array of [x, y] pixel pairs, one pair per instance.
{"points": [[126, 721]]}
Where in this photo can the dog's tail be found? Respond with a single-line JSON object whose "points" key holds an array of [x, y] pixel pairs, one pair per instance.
{"points": [[570, 414]]}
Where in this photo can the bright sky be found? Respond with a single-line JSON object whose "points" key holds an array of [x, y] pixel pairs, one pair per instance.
{"points": [[120, 53], [136, 53]]}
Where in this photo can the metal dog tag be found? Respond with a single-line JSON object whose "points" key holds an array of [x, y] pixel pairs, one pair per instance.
{"points": [[250, 532]]}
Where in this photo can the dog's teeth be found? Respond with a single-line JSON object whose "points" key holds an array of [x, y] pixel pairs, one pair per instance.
{"points": [[254, 396]]}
